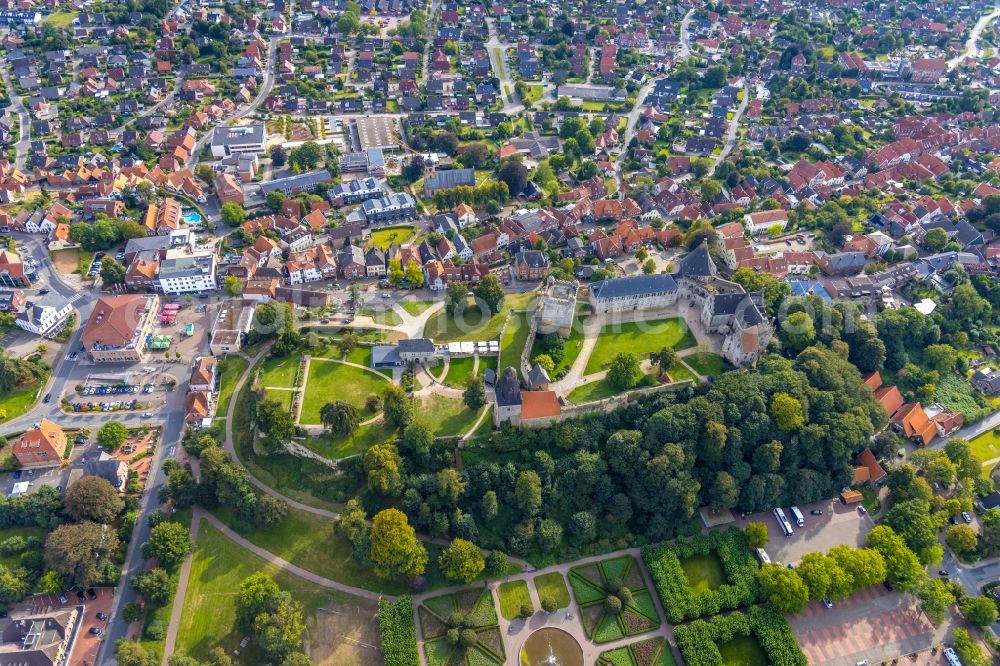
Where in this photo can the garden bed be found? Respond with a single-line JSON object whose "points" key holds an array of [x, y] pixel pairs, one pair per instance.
{"points": [[470, 610], [614, 602]]}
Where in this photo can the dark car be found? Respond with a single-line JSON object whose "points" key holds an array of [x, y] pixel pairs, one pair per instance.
{"points": [[817, 512], [42, 292], [97, 631], [944, 573], [80, 597], [48, 397], [102, 617], [91, 593], [888, 586], [17, 474]]}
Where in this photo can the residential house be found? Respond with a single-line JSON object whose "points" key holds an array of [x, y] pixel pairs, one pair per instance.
{"points": [[42, 445]]}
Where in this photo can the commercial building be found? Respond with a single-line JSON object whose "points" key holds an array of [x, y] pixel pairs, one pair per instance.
{"points": [[355, 192], [642, 292], [227, 141], [184, 271], [392, 208], [118, 328], [293, 185], [45, 315], [44, 639], [231, 327], [40, 446]]}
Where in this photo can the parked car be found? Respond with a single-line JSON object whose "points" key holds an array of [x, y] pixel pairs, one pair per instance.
{"points": [[103, 617], [966, 517], [48, 398], [817, 512], [827, 603], [62, 598], [42, 292], [91, 593], [97, 631], [17, 474], [944, 573], [80, 597]]}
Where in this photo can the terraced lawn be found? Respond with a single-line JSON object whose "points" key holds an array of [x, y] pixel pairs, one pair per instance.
{"points": [[515, 337], [279, 370], [231, 368], [284, 398], [329, 381], [639, 338]]}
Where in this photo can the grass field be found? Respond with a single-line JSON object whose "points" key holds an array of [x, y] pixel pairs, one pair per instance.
{"points": [[743, 651], [553, 585], [231, 368], [387, 317], [336, 447], [680, 372], [445, 416], [597, 390], [459, 371], [18, 401], [473, 324], [987, 445], [707, 363], [499, 57], [329, 381], [512, 596], [639, 338], [571, 346], [279, 370], [60, 20], [416, 307], [704, 572], [284, 398], [534, 93], [386, 236], [217, 569], [515, 337]]}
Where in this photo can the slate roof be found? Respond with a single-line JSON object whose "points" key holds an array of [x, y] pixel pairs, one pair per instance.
{"points": [[633, 286], [698, 263], [508, 389], [416, 345]]}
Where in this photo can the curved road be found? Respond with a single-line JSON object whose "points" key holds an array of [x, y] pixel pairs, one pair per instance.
{"points": [[24, 141], [971, 47]]}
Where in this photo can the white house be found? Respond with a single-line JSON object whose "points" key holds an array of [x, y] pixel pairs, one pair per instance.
{"points": [[45, 316], [184, 272], [761, 221]]}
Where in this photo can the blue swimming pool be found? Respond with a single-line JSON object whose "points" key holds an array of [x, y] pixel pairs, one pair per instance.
{"points": [[191, 218]]}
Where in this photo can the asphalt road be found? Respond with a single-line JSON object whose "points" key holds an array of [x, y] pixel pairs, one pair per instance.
{"points": [[24, 142]]}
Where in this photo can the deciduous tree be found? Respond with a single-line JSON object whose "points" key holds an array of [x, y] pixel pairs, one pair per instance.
{"points": [[395, 550]]}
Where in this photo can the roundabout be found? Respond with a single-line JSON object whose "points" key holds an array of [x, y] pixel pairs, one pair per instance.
{"points": [[551, 647]]}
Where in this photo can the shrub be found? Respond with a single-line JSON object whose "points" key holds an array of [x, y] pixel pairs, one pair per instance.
{"points": [[679, 602], [156, 630], [526, 611], [698, 641], [613, 604], [399, 634], [467, 638], [452, 636], [549, 604]]}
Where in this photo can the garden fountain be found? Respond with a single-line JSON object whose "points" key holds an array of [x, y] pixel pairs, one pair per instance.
{"points": [[551, 647]]}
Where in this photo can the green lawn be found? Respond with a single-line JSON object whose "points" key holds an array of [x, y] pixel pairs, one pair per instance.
{"points": [[415, 308], [639, 338], [279, 370], [60, 20], [388, 317], [18, 401], [329, 381], [459, 371], [217, 569], [445, 416], [987, 445], [335, 447], [571, 346], [498, 55], [707, 363], [161, 614], [386, 236], [512, 596], [284, 398], [679, 372], [534, 93], [553, 585], [472, 324], [597, 390], [743, 651], [309, 541], [231, 368], [704, 572], [515, 337], [361, 356]]}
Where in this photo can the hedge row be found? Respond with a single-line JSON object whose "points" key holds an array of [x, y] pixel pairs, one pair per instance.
{"points": [[679, 602], [399, 634], [699, 641]]}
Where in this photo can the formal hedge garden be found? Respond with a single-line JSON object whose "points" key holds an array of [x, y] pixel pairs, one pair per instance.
{"points": [[399, 635], [613, 599], [650, 652], [461, 628], [699, 641], [680, 602]]}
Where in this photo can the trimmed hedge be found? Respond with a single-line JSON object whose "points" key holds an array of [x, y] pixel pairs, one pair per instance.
{"points": [[680, 603], [699, 641], [399, 635]]}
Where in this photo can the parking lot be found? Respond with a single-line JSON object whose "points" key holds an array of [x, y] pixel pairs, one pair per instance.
{"points": [[873, 625], [86, 644], [838, 525]]}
